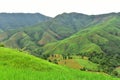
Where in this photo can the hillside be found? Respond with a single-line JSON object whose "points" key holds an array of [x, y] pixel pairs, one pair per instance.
{"points": [[99, 42], [13, 21], [16, 65], [22, 60], [91, 39]]}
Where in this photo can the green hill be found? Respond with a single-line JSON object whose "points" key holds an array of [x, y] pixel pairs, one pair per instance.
{"points": [[99, 42], [90, 40], [22, 60], [16, 65]]}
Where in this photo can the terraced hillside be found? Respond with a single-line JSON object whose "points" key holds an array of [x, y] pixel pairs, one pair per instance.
{"points": [[16, 65]]}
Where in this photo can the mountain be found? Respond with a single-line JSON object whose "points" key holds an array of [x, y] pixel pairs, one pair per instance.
{"points": [[100, 43], [17, 65], [10, 21], [58, 28], [91, 39]]}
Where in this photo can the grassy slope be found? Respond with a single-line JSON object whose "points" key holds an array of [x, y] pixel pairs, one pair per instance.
{"points": [[79, 64], [17, 59], [87, 64], [15, 65]]}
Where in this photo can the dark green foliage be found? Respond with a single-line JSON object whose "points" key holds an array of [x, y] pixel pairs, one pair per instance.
{"points": [[2, 45], [108, 62]]}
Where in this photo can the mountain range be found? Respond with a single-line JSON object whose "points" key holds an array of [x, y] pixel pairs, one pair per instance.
{"points": [[96, 37], [9, 21]]}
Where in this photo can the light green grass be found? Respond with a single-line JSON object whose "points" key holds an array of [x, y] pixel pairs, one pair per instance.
{"points": [[22, 60], [87, 64], [16, 65], [18, 74]]}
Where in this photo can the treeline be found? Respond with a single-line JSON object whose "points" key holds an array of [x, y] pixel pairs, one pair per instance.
{"points": [[108, 62]]}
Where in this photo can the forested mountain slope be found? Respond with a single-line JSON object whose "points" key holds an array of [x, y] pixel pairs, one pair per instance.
{"points": [[58, 28]]}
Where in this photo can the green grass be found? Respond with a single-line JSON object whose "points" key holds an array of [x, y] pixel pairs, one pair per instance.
{"points": [[87, 64], [17, 74], [17, 59], [16, 65]]}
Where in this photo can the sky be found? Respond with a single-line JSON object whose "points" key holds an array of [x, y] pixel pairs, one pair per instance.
{"points": [[55, 7]]}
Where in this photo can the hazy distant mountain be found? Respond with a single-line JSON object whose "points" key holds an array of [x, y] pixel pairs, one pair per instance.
{"points": [[16, 20]]}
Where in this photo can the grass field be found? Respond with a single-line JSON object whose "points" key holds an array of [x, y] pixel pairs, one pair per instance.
{"points": [[87, 64], [16, 65], [19, 74]]}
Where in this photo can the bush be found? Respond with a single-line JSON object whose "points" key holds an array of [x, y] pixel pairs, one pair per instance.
{"points": [[2, 45]]}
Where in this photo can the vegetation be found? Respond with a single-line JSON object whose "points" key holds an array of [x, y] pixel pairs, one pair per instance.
{"points": [[116, 72], [94, 36], [22, 60], [16, 74], [87, 65], [16, 65], [58, 28], [100, 43]]}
